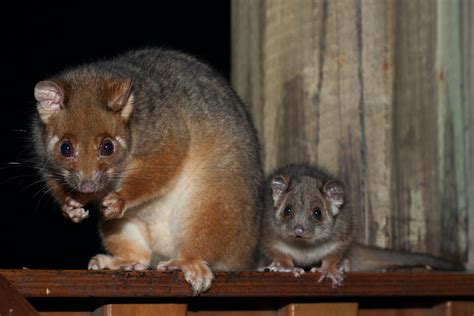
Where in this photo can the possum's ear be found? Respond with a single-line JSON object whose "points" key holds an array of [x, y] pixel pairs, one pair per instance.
{"points": [[334, 193], [50, 96], [279, 187], [120, 98]]}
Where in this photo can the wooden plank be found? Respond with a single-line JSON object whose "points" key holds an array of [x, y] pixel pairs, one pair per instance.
{"points": [[452, 66], [12, 303], [454, 309], [65, 313], [376, 92], [233, 313], [396, 312], [246, 48], [141, 309], [471, 143], [81, 283], [333, 309]]}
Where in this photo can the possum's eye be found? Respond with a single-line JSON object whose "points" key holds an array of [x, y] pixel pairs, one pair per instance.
{"points": [[287, 211], [66, 149], [316, 213], [106, 148]]}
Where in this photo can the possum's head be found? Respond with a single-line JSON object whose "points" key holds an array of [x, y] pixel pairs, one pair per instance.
{"points": [[84, 133], [306, 208]]}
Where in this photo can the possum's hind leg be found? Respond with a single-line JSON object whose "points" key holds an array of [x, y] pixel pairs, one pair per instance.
{"points": [[126, 245]]}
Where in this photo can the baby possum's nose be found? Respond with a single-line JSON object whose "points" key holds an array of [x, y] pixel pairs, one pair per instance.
{"points": [[299, 231]]}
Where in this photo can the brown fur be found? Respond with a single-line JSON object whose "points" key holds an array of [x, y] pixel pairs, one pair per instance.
{"points": [[181, 185], [289, 243]]}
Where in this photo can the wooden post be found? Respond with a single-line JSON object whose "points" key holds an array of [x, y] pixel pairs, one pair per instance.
{"points": [[375, 91]]}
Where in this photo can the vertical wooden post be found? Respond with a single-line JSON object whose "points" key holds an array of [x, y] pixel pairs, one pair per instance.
{"points": [[375, 91]]}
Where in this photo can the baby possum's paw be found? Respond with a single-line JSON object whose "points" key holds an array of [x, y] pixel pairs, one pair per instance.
{"points": [[335, 275], [277, 267], [101, 261], [112, 206], [74, 210], [196, 272]]}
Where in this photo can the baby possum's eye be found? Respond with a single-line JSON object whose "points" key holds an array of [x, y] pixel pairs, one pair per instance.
{"points": [[106, 147], [316, 213], [287, 211], [66, 149]]}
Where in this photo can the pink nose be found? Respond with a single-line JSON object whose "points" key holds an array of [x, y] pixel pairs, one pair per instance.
{"points": [[87, 187], [299, 231]]}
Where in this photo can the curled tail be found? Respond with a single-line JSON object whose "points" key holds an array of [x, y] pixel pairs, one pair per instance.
{"points": [[365, 258]]}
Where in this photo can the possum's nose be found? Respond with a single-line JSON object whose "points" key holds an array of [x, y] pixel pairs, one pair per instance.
{"points": [[87, 187], [299, 231]]}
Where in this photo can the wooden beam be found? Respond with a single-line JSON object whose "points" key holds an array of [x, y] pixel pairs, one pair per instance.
{"points": [[79, 283]]}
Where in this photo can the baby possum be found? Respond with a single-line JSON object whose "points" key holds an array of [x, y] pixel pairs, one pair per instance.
{"points": [[306, 221], [163, 146]]}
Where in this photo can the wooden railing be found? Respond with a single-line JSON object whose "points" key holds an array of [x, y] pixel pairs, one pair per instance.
{"points": [[78, 292]]}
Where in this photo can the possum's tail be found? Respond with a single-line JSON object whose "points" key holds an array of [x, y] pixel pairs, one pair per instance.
{"points": [[365, 258]]}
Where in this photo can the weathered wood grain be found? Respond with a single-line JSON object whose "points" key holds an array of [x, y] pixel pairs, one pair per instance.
{"points": [[471, 143], [13, 303], [377, 92], [81, 283], [333, 309]]}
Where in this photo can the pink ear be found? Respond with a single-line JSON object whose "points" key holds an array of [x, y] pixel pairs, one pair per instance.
{"points": [[279, 186], [120, 98], [334, 191], [49, 95]]}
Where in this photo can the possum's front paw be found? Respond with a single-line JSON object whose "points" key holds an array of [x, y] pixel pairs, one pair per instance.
{"points": [[74, 210], [277, 267], [196, 272], [113, 206]]}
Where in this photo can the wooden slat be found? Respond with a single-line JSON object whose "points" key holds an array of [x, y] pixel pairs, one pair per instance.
{"points": [[471, 143], [141, 309], [233, 313], [454, 309], [65, 313], [81, 283], [13, 303], [333, 309], [396, 312]]}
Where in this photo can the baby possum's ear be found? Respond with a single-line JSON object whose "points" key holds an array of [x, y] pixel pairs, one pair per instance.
{"points": [[279, 186], [334, 193], [120, 98], [50, 96]]}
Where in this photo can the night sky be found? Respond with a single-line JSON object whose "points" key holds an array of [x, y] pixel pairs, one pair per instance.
{"points": [[40, 39]]}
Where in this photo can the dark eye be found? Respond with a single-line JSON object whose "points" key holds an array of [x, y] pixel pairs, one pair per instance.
{"points": [[66, 149], [106, 148], [287, 211], [316, 213]]}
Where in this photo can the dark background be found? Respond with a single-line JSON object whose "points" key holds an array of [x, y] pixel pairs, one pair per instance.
{"points": [[42, 38]]}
